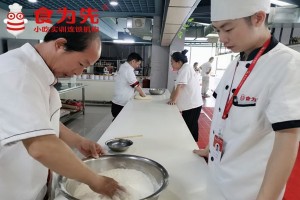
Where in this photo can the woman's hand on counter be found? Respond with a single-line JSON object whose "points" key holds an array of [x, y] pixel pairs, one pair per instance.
{"points": [[202, 152], [175, 94], [172, 102], [89, 148], [140, 91]]}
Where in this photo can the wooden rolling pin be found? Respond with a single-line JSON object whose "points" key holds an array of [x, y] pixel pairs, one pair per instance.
{"points": [[130, 136]]}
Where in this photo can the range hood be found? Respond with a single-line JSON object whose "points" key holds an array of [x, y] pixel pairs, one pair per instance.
{"points": [[284, 15]]}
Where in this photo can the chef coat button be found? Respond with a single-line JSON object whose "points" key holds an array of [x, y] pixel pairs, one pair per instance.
{"points": [[213, 132], [247, 65], [212, 158], [219, 109], [233, 90], [227, 86]]}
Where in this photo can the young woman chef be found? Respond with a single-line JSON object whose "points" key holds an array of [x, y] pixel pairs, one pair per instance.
{"points": [[254, 134]]}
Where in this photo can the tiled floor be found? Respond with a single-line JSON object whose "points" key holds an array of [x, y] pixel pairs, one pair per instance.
{"points": [[207, 113], [93, 124], [204, 126], [292, 189]]}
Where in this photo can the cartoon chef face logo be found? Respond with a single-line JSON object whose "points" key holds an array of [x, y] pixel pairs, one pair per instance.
{"points": [[15, 19]]}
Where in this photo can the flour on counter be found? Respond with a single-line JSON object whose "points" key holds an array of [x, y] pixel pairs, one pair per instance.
{"points": [[136, 183]]}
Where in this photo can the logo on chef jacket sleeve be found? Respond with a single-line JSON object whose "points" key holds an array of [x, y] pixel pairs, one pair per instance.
{"points": [[15, 19]]}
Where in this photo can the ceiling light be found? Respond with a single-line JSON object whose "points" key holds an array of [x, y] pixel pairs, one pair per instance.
{"points": [[189, 38], [203, 24], [113, 2], [281, 3], [32, 1], [202, 39], [212, 35], [147, 38], [126, 41]]}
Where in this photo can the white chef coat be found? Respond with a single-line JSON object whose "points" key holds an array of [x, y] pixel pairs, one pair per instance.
{"points": [[268, 101], [198, 73], [190, 97], [206, 67], [29, 107], [125, 81]]}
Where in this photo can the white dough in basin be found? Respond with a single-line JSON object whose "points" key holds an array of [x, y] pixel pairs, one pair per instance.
{"points": [[136, 183]]}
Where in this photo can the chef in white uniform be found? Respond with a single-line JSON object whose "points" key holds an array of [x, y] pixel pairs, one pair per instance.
{"points": [[186, 93], [254, 134], [205, 73], [31, 137], [126, 83]]}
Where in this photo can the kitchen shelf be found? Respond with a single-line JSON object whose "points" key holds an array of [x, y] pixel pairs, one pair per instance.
{"points": [[67, 87], [102, 63], [70, 116], [98, 67]]}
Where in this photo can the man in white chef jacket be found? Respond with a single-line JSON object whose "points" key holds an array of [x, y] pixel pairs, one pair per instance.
{"points": [[126, 83], [254, 134], [205, 73], [31, 137]]}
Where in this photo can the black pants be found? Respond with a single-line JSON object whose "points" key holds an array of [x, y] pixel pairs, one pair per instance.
{"points": [[191, 119], [116, 109]]}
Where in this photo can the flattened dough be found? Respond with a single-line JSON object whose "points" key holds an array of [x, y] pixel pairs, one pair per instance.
{"points": [[138, 97]]}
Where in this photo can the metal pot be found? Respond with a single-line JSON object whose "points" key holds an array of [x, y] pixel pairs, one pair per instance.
{"points": [[156, 172], [157, 91]]}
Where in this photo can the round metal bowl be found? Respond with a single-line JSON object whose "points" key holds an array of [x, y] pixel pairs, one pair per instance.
{"points": [[119, 144], [155, 172], [157, 91]]}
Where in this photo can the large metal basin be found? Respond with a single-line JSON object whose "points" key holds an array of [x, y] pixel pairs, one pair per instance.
{"points": [[156, 172], [157, 91]]}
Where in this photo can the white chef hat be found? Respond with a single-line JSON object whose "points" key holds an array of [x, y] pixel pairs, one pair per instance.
{"points": [[235, 9], [15, 8]]}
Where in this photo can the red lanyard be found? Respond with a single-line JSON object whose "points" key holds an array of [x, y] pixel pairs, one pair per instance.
{"points": [[230, 101]]}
